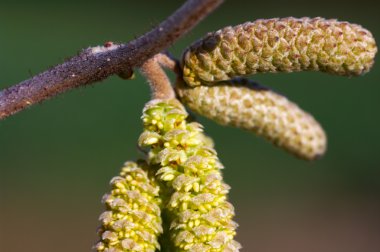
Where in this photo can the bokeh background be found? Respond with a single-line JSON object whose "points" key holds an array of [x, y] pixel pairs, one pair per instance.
{"points": [[57, 158]]}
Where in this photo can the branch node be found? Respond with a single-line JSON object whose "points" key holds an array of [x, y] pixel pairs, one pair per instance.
{"points": [[127, 74]]}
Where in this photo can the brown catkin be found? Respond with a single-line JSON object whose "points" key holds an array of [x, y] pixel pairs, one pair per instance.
{"points": [[244, 104], [280, 45]]}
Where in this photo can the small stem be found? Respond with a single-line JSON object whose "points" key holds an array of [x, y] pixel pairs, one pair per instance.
{"points": [[168, 62], [157, 78]]}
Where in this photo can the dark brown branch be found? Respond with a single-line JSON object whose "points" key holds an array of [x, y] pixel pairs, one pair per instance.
{"points": [[96, 64]]}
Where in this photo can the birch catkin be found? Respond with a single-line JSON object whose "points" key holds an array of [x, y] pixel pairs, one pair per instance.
{"points": [[280, 45], [187, 165], [132, 221], [243, 104]]}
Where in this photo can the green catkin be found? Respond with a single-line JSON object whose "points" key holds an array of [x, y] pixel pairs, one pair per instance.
{"points": [[243, 104], [280, 45], [187, 165], [132, 220]]}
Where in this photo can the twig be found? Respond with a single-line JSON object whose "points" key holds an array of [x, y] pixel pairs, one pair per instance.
{"points": [[96, 64], [169, 62], [157, 78]]}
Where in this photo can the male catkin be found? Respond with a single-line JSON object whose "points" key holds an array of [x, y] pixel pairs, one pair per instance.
{"points": [[244, 104], [132, 221], [280, 45], [187, 165]]}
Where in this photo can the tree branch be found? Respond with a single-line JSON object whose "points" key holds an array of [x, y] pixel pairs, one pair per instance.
{"points": [[97, 63]]}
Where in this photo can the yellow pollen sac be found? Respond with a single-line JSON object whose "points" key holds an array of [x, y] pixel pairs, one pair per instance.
{"points": [[168, 177], [184, 206], [196, 187]]}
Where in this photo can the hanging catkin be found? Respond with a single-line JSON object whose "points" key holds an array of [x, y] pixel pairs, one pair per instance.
{"points": [[280, 45]]}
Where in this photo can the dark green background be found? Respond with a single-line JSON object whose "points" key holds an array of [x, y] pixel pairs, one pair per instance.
{"points": [[56, 158]]}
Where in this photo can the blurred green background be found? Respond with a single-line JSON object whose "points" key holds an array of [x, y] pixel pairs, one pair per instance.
{"points": [[57, 158]]}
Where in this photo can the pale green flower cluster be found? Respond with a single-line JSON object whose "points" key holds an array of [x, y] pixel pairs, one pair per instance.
{"points": [[199, 214], [132, 221]]}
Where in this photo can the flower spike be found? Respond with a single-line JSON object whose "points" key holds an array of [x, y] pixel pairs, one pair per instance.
{"points": [[280, 45], [132, 221], [187, 165], [244, 104]]}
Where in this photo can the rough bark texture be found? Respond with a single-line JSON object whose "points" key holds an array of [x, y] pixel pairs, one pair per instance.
{"points": [[96, 64]]}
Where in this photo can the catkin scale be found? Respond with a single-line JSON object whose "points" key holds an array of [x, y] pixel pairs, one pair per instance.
{"points": [[132, 220], [188, 168], [280, 45], [243, 104]]}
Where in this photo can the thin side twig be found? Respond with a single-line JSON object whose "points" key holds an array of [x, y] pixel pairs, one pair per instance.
{"points": [[157, 78], [97, 63], [169, 62]]}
